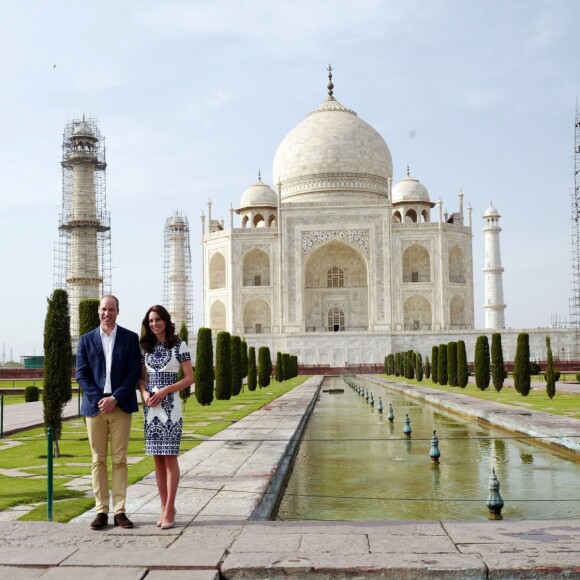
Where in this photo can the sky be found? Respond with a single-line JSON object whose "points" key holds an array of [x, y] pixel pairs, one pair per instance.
{"points": [[194, 97]]}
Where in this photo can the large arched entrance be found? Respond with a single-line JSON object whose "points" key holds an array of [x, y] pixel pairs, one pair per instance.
{"points": [[335, 289]]}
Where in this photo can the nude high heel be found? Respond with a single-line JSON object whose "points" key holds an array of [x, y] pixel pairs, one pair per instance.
{"points": [[169, 525]]}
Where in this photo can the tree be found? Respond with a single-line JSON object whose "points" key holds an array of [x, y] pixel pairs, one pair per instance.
{"points": [[522, 378], [442, 364], [236, 362], [498, 373], [462, 370], [88, 315], [264, 366], [252, 375], [409, 369], [279, 369], [482, 372], [391, 364], [427, 368], [435, 364], [550, 378], [397, 368], [184, 394], [244, 349], [223, 367], [286, 371], [57, 364], [452, 363], [204, 372], [419, 367]]}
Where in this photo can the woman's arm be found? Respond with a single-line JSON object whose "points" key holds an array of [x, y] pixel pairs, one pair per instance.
{"points": [[186, 381]]}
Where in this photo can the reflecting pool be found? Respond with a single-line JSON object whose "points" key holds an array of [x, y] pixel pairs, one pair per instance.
{"points": [[353, 464]]}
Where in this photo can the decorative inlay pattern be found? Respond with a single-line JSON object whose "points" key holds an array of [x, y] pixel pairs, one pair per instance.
{"points": [[311, 240], [407, 243], [332, 181], [246, 247], [425, 293]]}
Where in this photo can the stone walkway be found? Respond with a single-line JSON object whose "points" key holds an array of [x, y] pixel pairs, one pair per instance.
{"points": [[227, 478], [22, 416]]}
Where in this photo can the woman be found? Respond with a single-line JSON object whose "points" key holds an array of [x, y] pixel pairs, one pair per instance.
{"points": [[163, 355]]}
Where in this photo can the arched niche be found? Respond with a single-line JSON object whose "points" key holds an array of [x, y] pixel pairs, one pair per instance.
{"points": [[217, 316], [259, 221], [416, 264], [456, 265], [425, 216], [417, 313], [272, 221], [256, 268], [457, 317], [397, 217], [257, 317], [411, 216], [217, 271], [245, 221]]}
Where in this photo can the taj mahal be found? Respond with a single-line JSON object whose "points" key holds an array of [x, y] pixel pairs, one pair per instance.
{"points": [[338, 264]]}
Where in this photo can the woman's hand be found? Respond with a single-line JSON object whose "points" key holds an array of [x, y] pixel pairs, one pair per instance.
{"points": [[156, 397]]}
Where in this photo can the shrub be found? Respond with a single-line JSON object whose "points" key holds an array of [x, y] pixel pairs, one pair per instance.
{"points": [[556, 375], [442, 364], [88, 315], [252, 375], [264, 366], [418, 367], [578, 377], [462, 369], [279, 368], [184, 394], [391, 364], [236, 364], [223, 367], [498, 372], [31, 394], [550, 378], [452, 363], [522, 370], [244, 353], [204, 371], [482, 372], [409, 368], [435, 364], [534, 368], [427, 367]]}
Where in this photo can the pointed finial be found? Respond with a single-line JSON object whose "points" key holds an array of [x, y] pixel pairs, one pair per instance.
{"points": [[408, 173], [259, 175], [491, 203], [330, 85]]}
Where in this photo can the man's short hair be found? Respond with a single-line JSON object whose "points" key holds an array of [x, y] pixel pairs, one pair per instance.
{"points": [[113, 297]]}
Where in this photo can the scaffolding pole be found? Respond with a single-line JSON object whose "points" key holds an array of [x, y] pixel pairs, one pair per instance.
{"points": [[575, 214]]}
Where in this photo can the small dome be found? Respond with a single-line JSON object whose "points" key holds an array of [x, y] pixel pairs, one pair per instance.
{"points": [[83, 129], [491, 212], [410, 190], [176, 221], [259, 195]]}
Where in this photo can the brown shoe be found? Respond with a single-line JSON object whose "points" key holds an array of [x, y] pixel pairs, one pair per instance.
{"points": [[123, 521], [100, 522]]}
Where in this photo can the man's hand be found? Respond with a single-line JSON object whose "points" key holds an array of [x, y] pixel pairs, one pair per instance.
{"points": [[107, 404]]}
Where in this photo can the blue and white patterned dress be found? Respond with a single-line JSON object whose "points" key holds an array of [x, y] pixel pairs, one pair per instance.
{"points": [[164, 422]]}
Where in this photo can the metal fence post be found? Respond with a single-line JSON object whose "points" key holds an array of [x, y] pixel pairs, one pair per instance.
{"points": [[49, 490]]}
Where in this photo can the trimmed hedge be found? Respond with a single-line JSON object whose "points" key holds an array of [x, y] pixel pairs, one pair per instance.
{"points": [[462, 369], [482, 370], [31, 394], [522, 378], [204, 371], [452, 363], [435, 364], [498, 372], [442, 364], [223, 367]]}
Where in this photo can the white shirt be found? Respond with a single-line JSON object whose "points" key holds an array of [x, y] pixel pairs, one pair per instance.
{"points": [[108, 342]]}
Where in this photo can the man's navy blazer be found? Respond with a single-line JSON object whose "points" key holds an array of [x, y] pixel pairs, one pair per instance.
{"points": [[125, 370]]}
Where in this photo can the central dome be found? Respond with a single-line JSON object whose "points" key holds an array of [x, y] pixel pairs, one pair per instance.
{"points": [[332, 153]]}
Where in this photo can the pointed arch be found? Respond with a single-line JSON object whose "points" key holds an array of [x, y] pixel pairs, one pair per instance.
{"points": [[256, 268], [217, 316], [417, 313], [217, 271], [457, 315], [411, 216], [416, 264], [456, 265], [257, 317]]}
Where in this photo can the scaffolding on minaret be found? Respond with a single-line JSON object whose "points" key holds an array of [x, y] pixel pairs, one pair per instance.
{"points": [[575, 214], [177, 277], [82, 256]]}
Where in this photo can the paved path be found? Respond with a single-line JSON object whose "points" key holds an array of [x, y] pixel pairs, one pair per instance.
{"points": [[227, 477], [24, 416]]}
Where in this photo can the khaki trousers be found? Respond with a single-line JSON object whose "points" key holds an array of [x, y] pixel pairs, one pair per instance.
{"points": [[116, 428]]}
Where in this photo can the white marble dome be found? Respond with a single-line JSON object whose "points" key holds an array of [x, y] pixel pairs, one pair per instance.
{"points": [[410, 190], [491, 212], [259, 195], [332, 153], [83, 129]]}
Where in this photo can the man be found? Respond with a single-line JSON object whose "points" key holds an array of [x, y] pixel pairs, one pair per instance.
{"points": [[107, 370]]}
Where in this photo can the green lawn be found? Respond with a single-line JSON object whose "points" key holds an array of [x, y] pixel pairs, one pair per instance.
{"points": [[28, 457], [566, 404]]}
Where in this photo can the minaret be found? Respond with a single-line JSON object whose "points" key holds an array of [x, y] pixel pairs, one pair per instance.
{"points": [[84, 222], [177, 274], [494, 306]]}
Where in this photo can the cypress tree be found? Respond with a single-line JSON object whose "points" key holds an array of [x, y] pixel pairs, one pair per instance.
{"points": [[391, 363], [452, 363], [442, 364], [252, 375], [550, 378], [397, 369], [462, 370], [294, 366], [279, 373], [409, 368], [264, 366], [244, 351], [204, 372], [418, 367], [236, 364], [57, 364], [386, 366], [482, 372], [435, 364], [427, 368], [522, 365], [498, 373], [223, 367], [88, 315], [184, 394]]}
